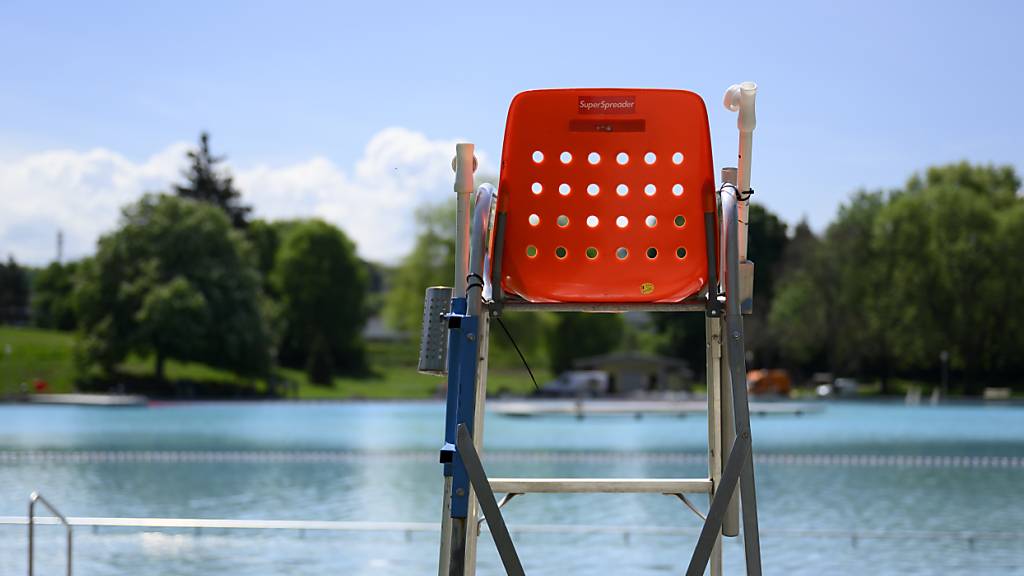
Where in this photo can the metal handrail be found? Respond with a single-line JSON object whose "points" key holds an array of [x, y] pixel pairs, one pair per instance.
{"points": [[199, 524], [32, 499]]}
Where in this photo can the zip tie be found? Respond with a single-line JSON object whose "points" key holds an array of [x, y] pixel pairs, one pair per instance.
{"points": [[473, 280], [741, 196]]}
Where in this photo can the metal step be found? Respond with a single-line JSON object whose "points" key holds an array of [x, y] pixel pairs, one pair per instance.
{"points": [[602, 485]]}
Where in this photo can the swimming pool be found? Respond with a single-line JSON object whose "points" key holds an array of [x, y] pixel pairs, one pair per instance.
{"points": [[861, 488]]}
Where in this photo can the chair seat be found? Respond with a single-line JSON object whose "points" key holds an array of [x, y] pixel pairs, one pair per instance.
{"points": [[604, 193]]}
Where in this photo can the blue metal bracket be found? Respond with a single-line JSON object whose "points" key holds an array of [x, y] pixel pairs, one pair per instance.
{"points": [[461, 399]]}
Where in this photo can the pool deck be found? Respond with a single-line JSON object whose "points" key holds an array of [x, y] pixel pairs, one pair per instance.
{"points": [[112, 400], [638, 408]]}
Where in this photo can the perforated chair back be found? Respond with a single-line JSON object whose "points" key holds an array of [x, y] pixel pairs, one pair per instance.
{"points": [[604, 193]]}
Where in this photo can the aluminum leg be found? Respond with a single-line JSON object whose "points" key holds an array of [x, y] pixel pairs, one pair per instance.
{"points": [[483, 332], [731, 524], [446, 528], [741, 409], [478, 478], [457, 560], [713, 342]]}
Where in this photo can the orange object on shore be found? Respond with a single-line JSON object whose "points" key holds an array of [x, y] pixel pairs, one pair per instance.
{"points": [[604, 193], [766, 382]]}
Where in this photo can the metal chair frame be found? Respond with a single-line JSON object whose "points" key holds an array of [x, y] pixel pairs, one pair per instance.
{"points": [[467, 322]]}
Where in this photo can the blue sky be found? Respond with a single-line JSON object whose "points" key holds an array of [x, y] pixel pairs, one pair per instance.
{"points": [[98, 99]]}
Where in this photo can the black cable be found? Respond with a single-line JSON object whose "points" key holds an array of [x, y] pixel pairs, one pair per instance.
{"points": [[520, 352]]}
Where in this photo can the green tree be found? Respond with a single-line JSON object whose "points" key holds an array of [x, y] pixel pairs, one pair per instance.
{"points": [[265, 239], [322, 288], [942, 239], [172, 319], [1007, 360], [684, 332], [14, 292], [900, 278], [205, 182], [798, 321], [766, 245], [432, 263], [798, 316], [579, 334], [855, 275], [174, 280], [53, 304]]}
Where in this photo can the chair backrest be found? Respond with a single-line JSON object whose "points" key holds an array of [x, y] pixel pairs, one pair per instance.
{"points": [[604, 193]]}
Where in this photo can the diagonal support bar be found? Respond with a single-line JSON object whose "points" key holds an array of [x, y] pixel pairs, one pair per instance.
{"points": [[719, 504], [489, 506]]}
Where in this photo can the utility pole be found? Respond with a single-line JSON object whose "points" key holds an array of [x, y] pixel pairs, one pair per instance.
{"points": [[60, 246]]}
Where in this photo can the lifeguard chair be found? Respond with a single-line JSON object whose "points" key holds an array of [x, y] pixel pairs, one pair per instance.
{"points": [[606, 203]]}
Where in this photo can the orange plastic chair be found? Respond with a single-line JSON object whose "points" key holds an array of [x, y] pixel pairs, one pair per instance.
{"points": [[604, 193]]}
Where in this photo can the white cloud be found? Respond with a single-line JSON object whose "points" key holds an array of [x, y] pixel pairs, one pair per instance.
{"points": [[82, 193]]}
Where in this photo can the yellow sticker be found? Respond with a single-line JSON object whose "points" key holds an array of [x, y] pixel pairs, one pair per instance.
{"points": [[647, 288]]}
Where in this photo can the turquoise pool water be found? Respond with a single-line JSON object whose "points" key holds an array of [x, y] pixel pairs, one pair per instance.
{"points": [[856, 489]]}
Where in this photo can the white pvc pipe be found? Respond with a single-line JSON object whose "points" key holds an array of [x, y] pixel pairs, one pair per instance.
{"points": [[740, 98], [463, 165]]}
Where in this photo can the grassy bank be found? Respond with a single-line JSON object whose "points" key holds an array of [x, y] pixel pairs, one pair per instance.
{"points": [[29, 354]]}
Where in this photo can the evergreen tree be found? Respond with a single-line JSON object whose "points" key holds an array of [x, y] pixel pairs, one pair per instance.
{"points": [[206, 183], [52, 297], [14, 292]]}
